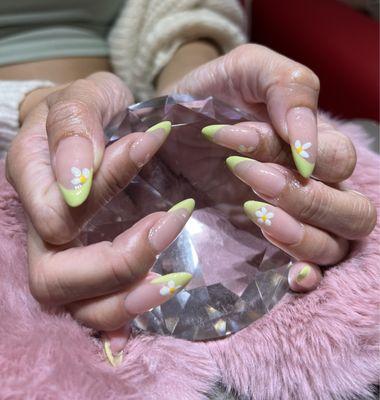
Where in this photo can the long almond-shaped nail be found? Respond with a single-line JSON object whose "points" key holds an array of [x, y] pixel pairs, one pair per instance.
{"points": [[143, 148], [164, 232], [154, 292], [302, 128], [241, 138], [262, 178], [274, 221], [74, 168], [304, 277]]}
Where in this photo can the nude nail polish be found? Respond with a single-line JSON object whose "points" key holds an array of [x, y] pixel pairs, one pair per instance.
{"points": [[243, 139], [274, 221], [74, 169], [262, 178], [302, 129], [154, 292], [147, 145], [165, 231]]}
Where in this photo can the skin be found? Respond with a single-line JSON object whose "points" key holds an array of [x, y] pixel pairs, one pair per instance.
{"points": [[256, 79]]}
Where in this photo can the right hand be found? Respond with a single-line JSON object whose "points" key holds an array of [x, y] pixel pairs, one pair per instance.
{"points": [[51, 162]]}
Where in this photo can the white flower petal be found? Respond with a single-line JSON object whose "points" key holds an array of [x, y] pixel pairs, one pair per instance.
{"points": [[270, 215], [268, 222], [260, 221], [171, 284], [264, 210], [258, 213], [86, 172], [76, 171], [297, 143], [75, 181], [306, 146], [304, 154], [164, 291]]}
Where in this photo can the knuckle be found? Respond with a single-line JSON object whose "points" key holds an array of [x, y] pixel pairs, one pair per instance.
{"points": [[314, 204], [302, 75], [38, 285], [365, 217], [67, 115], [53, 227]]}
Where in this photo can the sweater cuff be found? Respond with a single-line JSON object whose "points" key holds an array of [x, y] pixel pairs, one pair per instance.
{"points": [[164, 38], [12, 93]]}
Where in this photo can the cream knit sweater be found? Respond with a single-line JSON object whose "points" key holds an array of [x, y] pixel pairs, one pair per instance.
{"points": [[142, 41]]}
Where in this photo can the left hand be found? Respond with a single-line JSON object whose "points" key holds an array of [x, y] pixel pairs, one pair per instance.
{"points": [[307, 218]]}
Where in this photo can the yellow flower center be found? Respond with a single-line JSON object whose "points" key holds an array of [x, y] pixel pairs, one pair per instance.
{"points": [[172, 290], [264, 218], [299, 149], [82, 179]]}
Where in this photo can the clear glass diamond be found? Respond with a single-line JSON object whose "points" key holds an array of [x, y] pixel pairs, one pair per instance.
{"points": [[237, 275]]}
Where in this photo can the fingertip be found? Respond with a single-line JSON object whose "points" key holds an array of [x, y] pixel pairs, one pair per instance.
{"points": [[304, 277]]}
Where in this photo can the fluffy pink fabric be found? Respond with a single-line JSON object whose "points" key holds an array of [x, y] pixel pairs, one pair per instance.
{"points": [[317, 346]]}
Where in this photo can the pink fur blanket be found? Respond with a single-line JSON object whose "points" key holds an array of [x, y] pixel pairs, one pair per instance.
{"points": [[323, 345]]}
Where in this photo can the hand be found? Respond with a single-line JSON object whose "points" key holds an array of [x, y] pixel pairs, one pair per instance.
{"points": [[312, 220], [56, 163]]}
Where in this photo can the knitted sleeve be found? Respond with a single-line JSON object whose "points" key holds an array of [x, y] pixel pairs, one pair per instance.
{"points": [[12, 93], [148, 33]]}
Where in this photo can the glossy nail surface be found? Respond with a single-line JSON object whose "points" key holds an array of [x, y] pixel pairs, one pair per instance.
{"points": [[274, 221], [262, 178], [74, 168], [164, 232], [302, 129], [304, 277], [143, 148], [240, 138], [151, 293]]}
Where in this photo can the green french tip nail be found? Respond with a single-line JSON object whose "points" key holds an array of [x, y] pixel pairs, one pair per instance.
{"points": [[304, 272], [113, 359], [233, 161], [210, 130], [251, 206], [165, 125], [76, 197], [187, 204], [304, 167], [179, 278]]}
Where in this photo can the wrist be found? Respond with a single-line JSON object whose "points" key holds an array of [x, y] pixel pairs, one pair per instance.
{"points": [[187, 58]]}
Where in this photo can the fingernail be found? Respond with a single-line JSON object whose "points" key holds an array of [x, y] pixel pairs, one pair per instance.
{"points": [[303, 273], [114, 359], [74, 168], [263, 178], [302, 128], [236, 137], [304, 277], [274, 221], [164, 232], [152, 293], [143, 148]]}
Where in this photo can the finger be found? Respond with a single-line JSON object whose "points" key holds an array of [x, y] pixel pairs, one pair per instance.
{"points": [[112, 312], [63, 275], [31, 175], [258, 140], [304, 277], [302, 241], [344, 213], [257, 75], [75, 126]]}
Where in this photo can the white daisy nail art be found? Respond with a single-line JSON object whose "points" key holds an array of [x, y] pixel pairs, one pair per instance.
{"points": [[264, 217], [245, 149], [80, 177], [169, 289], [301, 148]]}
